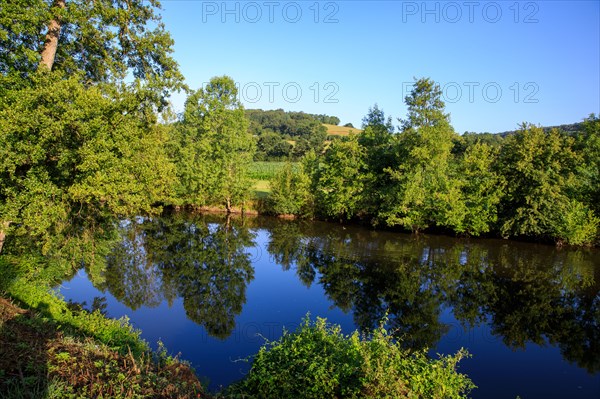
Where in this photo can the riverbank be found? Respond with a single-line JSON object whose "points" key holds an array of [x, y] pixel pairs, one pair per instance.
{"points": [[41, 357], [53, 349]]}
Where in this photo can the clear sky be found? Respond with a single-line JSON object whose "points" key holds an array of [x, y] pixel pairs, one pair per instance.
{"points": [[499, 63]]}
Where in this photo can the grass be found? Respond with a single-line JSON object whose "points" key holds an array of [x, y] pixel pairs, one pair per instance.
{"points": [[52, 349], [41, 358], [262, 172], [334, 130], [265, 170], [262, 188]]}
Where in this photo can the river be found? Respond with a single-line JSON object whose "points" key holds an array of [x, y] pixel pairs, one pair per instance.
{"points": [[215, 288]]}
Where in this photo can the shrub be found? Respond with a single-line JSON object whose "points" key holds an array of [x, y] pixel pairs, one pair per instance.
{"points": [[290, 193], [318, 361]]}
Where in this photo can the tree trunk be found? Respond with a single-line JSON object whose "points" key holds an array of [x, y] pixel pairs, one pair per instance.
{"points": [[51, 43], [3, 228], [228, 205]]}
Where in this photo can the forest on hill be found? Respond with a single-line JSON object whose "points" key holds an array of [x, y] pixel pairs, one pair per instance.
{"points": [[282, 135]]}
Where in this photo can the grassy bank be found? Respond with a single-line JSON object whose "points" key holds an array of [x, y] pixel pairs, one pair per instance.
{"points": [[51, 349]]}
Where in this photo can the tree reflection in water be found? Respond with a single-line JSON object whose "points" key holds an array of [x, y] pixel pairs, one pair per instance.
{"points": [[207, 264], [524, 292]]}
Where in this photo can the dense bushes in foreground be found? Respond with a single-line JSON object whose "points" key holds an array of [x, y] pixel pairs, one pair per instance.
{"points": [[318, 361]]}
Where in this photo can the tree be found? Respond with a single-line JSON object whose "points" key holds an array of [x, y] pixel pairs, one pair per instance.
{"points": [[80, 83], [481, 189], [213, 147], [290, 191], [424, 192], [337, 179], [376, 140], [589, 171], [539, 169], [104, 40], [72, 157]]}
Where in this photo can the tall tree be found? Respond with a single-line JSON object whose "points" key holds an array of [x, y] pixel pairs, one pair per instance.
{"points": [[71, 157], [103, 39], [376, 139], [214, 147], [481, 189], [424, 192], [589, 171], [80, 84], [337, 179], [539, 168]]}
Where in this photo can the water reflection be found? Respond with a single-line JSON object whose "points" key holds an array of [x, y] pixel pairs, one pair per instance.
{"points": [[525, 293], [206, 264]]}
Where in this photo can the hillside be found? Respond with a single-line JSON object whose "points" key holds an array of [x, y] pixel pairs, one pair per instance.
{"points": [[334, 130], [567, 128]]}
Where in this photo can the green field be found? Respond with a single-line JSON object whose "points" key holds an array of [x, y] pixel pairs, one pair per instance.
{"points": [[265, 170], [262, 172]]}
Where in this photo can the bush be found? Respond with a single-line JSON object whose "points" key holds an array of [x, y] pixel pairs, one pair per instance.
{"points": [[318, 361], [576, 224], [290, 193]]}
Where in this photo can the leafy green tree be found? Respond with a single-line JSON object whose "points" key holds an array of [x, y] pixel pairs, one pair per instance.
{"points": [[589, 171], [481, 189], [290, 191], [337, 179], [540, 169], [424, 192], [80, 83], [213, 147], [376, 139], [72, 157], [100, 41]]}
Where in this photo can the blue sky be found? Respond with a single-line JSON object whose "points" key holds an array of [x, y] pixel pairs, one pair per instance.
{"points": [[499, 63]]}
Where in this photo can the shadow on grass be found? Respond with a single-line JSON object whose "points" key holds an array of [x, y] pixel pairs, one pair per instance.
{"points": [[24, 341]]}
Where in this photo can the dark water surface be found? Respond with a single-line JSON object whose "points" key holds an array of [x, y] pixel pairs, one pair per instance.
{"points": [[215, 288]]}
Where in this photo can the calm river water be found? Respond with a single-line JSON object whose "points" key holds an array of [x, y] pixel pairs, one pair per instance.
{"points": [[214, 289]]}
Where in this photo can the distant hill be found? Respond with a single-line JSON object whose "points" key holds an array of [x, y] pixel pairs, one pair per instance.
{"points": [[283, 135], [334, 130], [571, 128]]}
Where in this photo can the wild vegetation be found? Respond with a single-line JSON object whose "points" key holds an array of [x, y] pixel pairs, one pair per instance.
{"points": [[318, 361], [284, 135], [87, 140], [534, 184]]}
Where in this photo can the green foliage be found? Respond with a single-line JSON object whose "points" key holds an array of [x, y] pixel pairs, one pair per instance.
{"points": [[290, 191], [424, 192], [540, 170], [31, 287], [588, 145], [337, 179], [282, 135], [73, 157], [536, 183], [100, 41], [481, 189], [318, 361], [212, 147], [577, 224]]}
